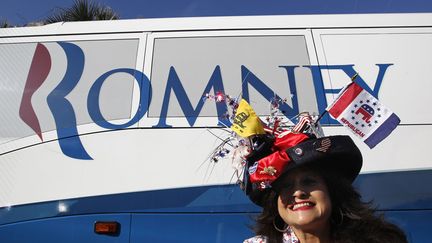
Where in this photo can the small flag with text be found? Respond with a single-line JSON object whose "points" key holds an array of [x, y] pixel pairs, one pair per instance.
{"points": [[363, 114]]}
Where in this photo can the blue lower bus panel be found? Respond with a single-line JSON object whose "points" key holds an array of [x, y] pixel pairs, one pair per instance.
{"points": [[191, 228], [67, 229]]}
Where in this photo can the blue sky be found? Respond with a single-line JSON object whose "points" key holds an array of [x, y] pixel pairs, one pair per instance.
{"points": [[20, 12]]}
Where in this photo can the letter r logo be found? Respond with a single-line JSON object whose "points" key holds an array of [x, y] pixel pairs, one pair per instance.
{"points": [[62, 110]]}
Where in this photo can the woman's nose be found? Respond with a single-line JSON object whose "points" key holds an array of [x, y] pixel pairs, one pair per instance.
{"points": [[299, 193]]}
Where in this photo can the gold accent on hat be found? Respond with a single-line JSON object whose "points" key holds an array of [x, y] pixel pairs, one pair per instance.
{"points": [[269, 170]]}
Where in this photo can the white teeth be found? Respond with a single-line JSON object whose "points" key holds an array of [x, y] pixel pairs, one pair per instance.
{"points": [[298, 205]]}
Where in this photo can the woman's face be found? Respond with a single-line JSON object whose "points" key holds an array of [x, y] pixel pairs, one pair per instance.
{"points": [[304, 201]]}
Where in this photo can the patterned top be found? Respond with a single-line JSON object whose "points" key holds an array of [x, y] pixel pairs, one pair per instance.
{"points": [[288, 237]]}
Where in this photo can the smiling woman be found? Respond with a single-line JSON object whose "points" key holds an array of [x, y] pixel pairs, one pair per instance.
{"points": [[303, 181], [312, 199]]}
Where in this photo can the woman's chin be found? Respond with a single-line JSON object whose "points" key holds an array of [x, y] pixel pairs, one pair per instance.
{"points": [[305, 221]]}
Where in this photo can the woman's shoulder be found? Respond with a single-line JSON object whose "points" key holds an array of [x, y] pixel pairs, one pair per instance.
{"points": [[256, 239]]}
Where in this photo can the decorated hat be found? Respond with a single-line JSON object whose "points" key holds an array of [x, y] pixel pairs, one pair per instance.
{"points": [[263, 152], [336, 154]]}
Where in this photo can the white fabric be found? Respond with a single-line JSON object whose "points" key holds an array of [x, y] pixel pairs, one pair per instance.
{"points": [[288, 237]]}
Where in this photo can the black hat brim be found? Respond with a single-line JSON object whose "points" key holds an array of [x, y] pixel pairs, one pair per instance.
{"points": [[334, 154]]}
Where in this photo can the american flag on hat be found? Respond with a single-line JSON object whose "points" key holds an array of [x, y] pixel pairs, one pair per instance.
{"points": [[303, 124]]}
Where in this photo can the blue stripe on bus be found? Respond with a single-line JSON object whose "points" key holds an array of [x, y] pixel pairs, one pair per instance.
{"points": [[408, 190]]}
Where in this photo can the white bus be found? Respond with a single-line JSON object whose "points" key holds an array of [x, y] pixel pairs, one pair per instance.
{"points": [[105, 135]]}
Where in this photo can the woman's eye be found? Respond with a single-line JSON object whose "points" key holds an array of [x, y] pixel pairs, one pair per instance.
{"points": [[288, 186], [309, 181]]}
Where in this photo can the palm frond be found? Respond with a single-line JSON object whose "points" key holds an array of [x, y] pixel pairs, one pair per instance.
{"points": [[4, 24], [82, 10]]}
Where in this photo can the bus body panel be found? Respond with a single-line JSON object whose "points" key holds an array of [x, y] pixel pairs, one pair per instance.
{"points": [[108, 120]]}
